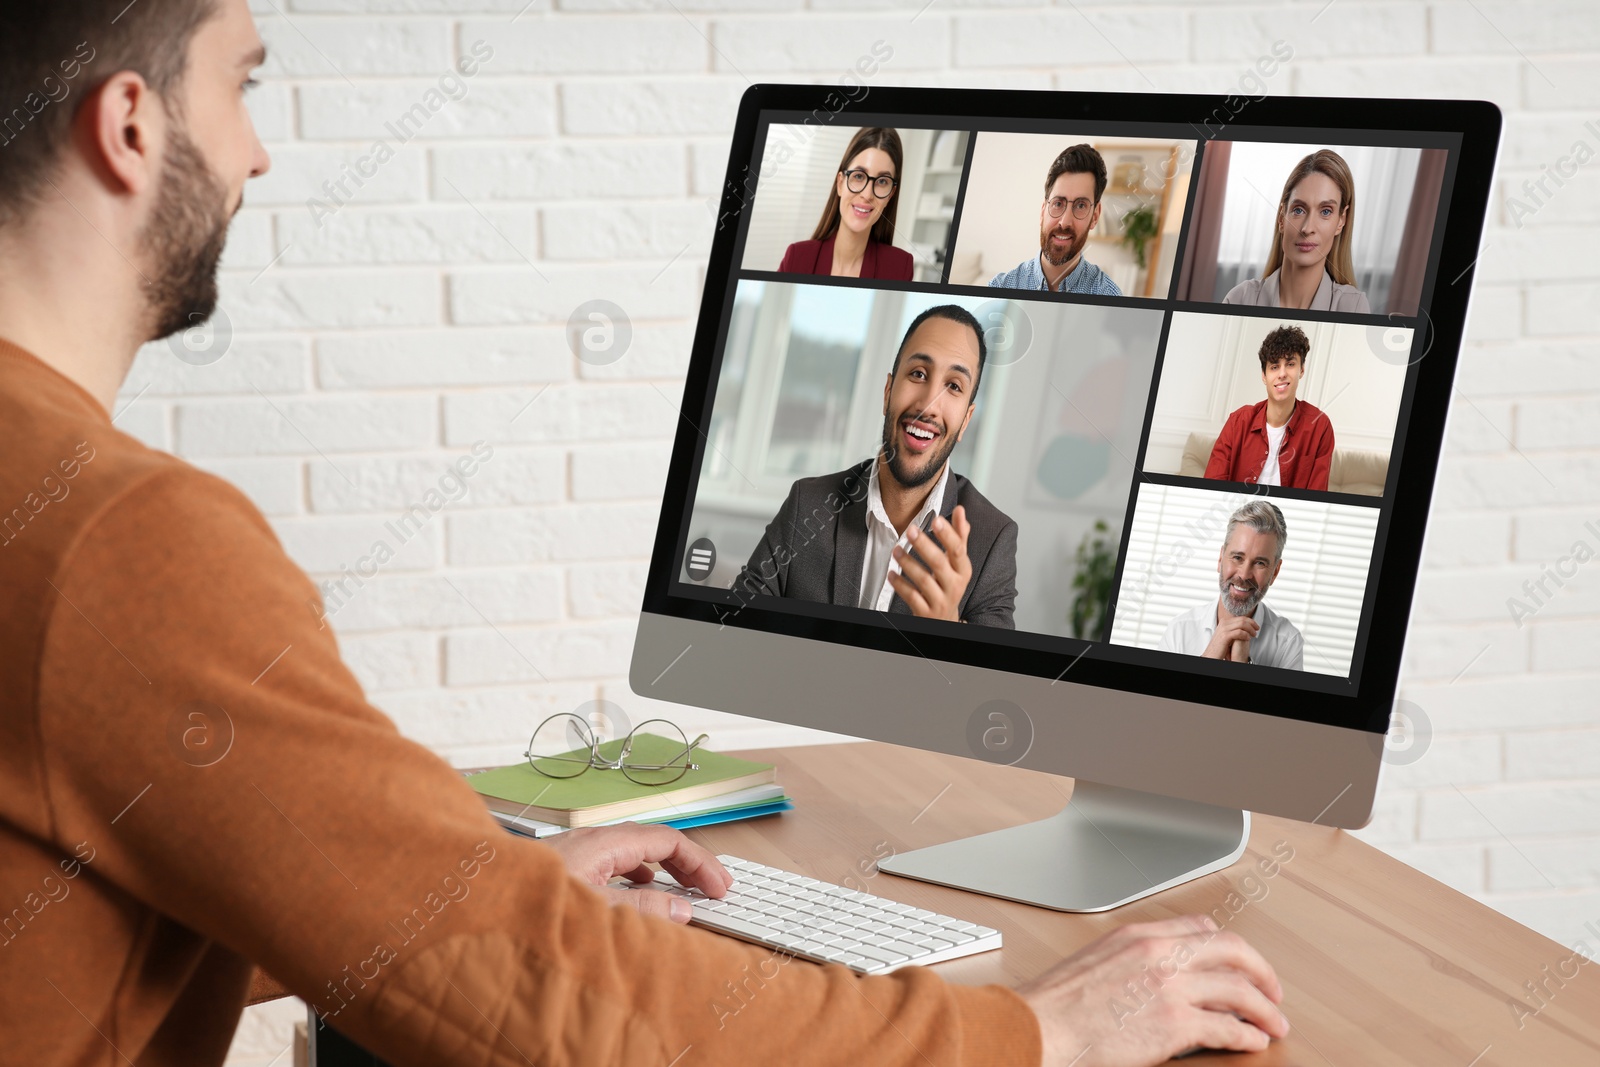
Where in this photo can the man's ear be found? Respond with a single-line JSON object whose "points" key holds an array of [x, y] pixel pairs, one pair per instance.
{"points": [[888, 381], [1276, 567], [121, 128]]}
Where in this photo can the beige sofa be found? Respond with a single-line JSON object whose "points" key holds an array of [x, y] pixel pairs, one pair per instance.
{"points": [[1355, 470]]}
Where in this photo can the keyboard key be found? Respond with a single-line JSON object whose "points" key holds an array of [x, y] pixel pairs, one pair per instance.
{"points": [[885, 955], [913, 951], [754, 931]]}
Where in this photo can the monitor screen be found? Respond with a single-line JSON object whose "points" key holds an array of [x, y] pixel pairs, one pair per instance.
{"points": [[1137, 395]]}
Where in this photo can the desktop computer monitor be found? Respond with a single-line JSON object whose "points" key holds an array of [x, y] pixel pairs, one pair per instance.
{"points": [[1153, 388]]}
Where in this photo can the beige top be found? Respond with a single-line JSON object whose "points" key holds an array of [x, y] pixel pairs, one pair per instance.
{"points": [[1330, 295]]}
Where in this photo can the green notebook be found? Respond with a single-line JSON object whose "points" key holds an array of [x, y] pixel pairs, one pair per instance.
{"points": [[602, 795]]}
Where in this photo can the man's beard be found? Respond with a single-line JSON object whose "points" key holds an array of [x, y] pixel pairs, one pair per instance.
{"points": [[1250, 602], [1065, 257], [933, 461], [183, 240]]}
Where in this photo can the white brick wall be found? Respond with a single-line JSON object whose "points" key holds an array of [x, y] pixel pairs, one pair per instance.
{"points": [[424, 315]]}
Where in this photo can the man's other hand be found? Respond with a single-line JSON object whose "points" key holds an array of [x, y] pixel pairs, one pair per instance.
{"points": [[598, 854], [1142, 994], [934, 574]]}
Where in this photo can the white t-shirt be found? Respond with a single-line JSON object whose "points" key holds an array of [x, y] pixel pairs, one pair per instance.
{"points": [[1269, 471], [876, 592]]}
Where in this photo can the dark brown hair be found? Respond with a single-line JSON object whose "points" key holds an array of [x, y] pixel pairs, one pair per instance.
{"points": [[54, 54], [1285, 341], [867, 137], [1079, 159]]}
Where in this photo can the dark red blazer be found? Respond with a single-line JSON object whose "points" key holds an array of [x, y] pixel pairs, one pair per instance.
{"points": [[1304, 460], [885, 262]]}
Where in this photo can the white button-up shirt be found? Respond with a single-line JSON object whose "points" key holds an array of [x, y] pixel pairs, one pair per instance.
{"points": [[1278, 644], [879, 562]]}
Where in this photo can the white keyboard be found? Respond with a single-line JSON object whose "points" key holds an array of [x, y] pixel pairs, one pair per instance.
{"points": [[828, 923]]}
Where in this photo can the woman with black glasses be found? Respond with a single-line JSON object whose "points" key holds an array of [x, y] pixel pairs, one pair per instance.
{"points": [[854, 238]]}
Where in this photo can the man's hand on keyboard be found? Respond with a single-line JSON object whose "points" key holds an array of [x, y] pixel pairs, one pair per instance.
{"points": [[598, 854], [1144, 993]]}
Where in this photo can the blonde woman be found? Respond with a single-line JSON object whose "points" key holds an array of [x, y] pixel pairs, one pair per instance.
{"points": [[1310, 265]]}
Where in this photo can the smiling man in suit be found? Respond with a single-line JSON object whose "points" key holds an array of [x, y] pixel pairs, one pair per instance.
{"points": [[902, 532]]}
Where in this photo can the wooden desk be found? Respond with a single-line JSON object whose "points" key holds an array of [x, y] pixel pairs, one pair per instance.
{"points": [[1380, 964]]}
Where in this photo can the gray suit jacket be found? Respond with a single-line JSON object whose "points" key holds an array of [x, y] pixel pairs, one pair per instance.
{"points": [[815, 546]]}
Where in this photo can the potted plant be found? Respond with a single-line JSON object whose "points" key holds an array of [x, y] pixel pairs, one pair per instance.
{"points": [[1138, 228], [1092, 583]]}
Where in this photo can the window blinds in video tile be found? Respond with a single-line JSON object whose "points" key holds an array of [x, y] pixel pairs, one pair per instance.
{"points": [[1271, 581]]}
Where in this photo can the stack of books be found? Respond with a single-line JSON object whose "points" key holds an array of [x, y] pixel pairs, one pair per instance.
{"points": [[722, 789]]}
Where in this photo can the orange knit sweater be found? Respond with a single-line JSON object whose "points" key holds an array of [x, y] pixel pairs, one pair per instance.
{"points": [[191, 781]]}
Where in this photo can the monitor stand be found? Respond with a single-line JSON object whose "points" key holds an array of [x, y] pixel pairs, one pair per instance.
{"points": [[1107, 847]]}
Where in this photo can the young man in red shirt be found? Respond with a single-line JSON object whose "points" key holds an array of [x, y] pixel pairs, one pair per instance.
{"points": [[1282, 440]]}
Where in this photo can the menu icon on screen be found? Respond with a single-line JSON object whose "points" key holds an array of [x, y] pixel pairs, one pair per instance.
{"points": [[702, 557]]}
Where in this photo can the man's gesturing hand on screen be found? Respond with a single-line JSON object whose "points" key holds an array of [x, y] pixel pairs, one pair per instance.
{"points": [[935, 573], [1146, 992]]}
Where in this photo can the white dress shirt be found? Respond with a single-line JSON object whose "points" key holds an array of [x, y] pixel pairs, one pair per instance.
{"points": [[879, 562], [1278, 644]]}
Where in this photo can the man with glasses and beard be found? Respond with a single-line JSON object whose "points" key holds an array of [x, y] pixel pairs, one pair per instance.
{"points": [[902, 532], [1072, 191], [1238, 626]]}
